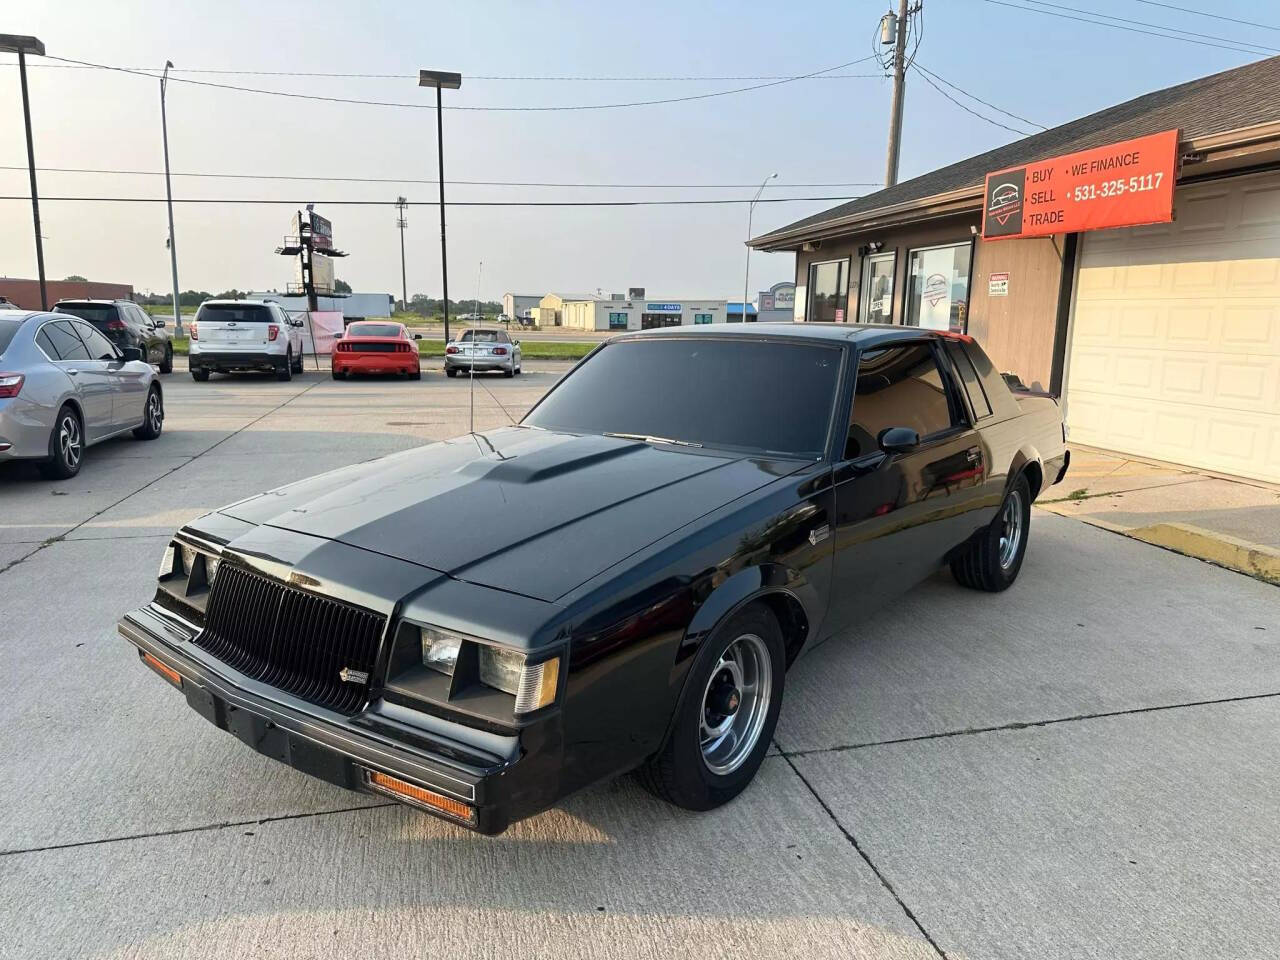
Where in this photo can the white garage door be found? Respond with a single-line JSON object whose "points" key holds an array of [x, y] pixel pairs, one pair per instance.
{"points": [[1175, 339]]}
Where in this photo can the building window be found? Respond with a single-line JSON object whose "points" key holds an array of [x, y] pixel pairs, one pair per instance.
{"points": [[702, 318], [650, 320], [617, 321], [938, 287], [828, 291], [876, 304]]}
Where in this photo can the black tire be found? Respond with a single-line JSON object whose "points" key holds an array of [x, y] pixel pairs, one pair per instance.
{"points": [[416, 375], [450, 371], [200, 376], [284, 372], [297, 365], [152, 416], [64, 458], [336, 375], [166, 365], [680, 773], [509, 372], [987, 563]]}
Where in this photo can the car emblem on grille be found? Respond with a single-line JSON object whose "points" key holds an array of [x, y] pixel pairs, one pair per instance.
{"points": [[353, 676]]}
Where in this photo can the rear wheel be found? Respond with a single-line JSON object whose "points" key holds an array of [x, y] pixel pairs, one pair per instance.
{"points": [[285, 371], [992, 560], [510, 371], [152, 417], [66, 446], [199, 376], [726, 715], [166, 365], [416, 374], [338, 374], [450, 371]]}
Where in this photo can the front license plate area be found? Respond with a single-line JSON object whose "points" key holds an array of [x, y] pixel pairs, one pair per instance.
{"points": [[263, 735]]}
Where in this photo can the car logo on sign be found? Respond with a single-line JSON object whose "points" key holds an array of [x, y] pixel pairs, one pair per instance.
{"points": [[1006, 200], [353, 676]]}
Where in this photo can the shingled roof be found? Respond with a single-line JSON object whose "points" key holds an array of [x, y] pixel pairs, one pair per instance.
{"points": [[1231, 100]]}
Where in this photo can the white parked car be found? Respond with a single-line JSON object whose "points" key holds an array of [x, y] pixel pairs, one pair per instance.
{"points": [[481, 350], [231, 335]]}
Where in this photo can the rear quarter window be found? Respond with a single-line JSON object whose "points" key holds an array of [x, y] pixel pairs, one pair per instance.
{"points": [[8, 330], [969, 377]]}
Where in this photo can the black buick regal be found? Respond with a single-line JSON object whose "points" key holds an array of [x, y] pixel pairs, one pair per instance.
{"points": [[479, 627]]}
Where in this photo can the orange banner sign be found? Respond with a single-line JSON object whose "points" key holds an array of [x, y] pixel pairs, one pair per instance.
{"points": [[1121, 185]]}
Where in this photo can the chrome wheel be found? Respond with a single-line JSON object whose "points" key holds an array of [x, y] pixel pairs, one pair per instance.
{"points": [[1010, 529], [69, 444], [735, 704], [155, 412]]}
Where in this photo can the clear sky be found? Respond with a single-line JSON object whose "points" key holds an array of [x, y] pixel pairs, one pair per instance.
{"points": [[1043, 68]]}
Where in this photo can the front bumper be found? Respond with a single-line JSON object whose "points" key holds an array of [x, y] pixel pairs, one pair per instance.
{"points": [[496, 779], [221, 362]]}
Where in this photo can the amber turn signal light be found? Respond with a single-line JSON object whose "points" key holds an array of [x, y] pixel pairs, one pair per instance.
{"points": [[419, 796], [162, 668]]}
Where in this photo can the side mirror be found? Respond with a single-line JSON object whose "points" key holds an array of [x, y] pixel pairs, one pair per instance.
{"points": [[160, 322], [516, 342], [899, 440], [417, 336], [131, 353]]}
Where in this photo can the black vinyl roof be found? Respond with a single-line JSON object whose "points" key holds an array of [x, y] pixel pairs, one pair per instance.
{"points": [[1231, 100], [863, 333]]}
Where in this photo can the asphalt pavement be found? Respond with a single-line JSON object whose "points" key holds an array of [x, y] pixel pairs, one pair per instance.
{"points": [[1084, 766]]}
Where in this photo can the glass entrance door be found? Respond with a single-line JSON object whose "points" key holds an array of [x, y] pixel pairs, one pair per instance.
{"points": [[876, 303]]}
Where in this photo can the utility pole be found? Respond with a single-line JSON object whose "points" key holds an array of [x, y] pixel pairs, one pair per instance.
{"points": [[441, 80], [899, 85], [168, 191], [402, 206], [11, 43]]}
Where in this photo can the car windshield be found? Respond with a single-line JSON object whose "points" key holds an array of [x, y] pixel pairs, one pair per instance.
{"points": [[99, 314], [481, 336], [773, 397], [373, 330], [8, 330], [235, 312]]}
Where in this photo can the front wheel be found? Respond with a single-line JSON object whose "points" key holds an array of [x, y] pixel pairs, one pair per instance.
{"points": [[726, 715], [297, 364], [152, 417], [992, 560], [166, 365], [285, 371]]}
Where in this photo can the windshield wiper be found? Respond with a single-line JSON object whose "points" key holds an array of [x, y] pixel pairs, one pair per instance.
{"points": [[649, 439]]}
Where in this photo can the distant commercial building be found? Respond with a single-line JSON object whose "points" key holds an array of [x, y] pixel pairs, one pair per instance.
{"points": [[514, 304], [617, 313], [26, 293], [733, 312]]}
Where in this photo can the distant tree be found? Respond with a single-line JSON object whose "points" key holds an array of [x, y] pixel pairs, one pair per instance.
{"points": [[76, 278], [341, 286]]}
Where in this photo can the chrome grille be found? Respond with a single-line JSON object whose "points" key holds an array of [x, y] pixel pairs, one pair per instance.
{"points": [[290, 639]]}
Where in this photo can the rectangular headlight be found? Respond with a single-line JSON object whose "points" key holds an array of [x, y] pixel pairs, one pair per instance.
{"points": [[439, 650], [533, 686]]}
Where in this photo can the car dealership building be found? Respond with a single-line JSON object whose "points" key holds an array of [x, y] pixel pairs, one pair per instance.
{"points": [[1128, 261]]}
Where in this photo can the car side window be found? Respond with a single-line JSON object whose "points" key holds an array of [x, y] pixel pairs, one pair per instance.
{"points": [[900, 386], [65, 342], [99, 347], [46, 344], [969, 377]]}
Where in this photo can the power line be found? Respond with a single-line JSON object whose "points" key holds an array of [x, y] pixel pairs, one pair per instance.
{"points": [[477, 183], [434, 203], [431, 106], [1116, 26], [995, 123], [155, 72], [1157, 26], [948, 83], [1211, 16]]}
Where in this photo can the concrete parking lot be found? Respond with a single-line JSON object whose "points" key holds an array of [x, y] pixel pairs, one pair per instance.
{"points": [[1087, 765]]}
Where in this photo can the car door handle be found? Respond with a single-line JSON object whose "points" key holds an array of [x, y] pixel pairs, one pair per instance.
{"points": [[72, 373]]}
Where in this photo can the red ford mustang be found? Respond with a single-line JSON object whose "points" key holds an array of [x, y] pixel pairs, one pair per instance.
{"points": [[376, 347]]}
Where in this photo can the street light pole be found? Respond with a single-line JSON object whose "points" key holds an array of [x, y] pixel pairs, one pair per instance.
{"points": [[168, 190], [22, 46], [440, 80], [751, 207], [402, 205]]}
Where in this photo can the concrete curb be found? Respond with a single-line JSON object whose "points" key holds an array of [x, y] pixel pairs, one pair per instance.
{"points": [[1252, 559]]}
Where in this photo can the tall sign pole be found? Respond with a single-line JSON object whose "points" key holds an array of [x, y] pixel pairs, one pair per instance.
{"points": [[441, 79], [168, 190], [22, 46], [899, 95]]}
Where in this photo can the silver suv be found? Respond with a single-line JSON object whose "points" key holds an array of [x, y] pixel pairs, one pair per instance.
{"points": [[244, 335]]}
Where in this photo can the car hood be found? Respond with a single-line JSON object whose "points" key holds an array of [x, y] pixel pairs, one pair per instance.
{"points": [[523, 510]]}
